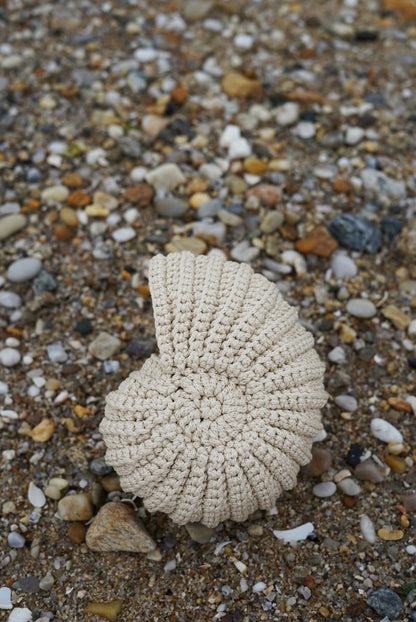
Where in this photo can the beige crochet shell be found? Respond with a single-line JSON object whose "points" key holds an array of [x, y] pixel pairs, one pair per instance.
{"points": [[218, 423]]}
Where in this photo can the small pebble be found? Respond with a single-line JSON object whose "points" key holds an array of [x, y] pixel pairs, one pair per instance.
{"points": [[10, 300], [295, 535], [259, 587], [199, 533], [356, 233], [287, 114], [165, 177], [385, 431], [20, 614], [385, 602], [337, 355], [346, 402], [36, 496], [349, 487], [56, 353], [170, 207], [56, 194], [361, 308], [324, 489], [43, 431], [354, 135], [343, 267], [100, 467], [15, 540], [108, 610], [104, 346], [10, 224], [24, 269], [305, 129], [9, 357], [368, 471], [5, 598], [367, 529], [77, 507], [123, 234]]}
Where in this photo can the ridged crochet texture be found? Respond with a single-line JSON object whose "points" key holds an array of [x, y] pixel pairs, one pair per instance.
{"points": [[218, 423]]}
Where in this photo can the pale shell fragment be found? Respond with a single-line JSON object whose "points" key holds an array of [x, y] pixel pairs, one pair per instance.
{"points": [[296, 534], [20, 614], [36, 496], [367, 529]]}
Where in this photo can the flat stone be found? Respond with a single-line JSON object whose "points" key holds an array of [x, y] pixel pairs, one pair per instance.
{"points": [[346, 402], [192, 244], [337, 355], [296, 534], [210, 209], [324, 489], [367, 529], [118, 528], [368, 471], [356, 233], [268, 194], [140, 195], [271, 222], [104, 346], [108, 610], [5, 598], [20, 614], [76, 507], [409, 502], [10, 300], [396, 316], [24, 269], [236, 84], [353, 135], [166, 177], [56, 353], [320, 463], [213, 232], [170, 207], [385, 431], [15, 540], [141, 347], [318, 242], [199, 533], [123, 234], [240, 148], [379, 186], [244, 252], [56, 194], [361, 308], [10, 224], [385, 602]]}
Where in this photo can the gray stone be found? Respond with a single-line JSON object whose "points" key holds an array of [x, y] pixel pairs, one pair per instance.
{"points": [[56, 353], [15, 540], [368, 471], [44, 282], [381, 187], [100, 467], [9, 357], [197, 9], [210, 230], [349, 487], [346, 402], [165, 177], [385, 602], [324, 489], [356, 233], [170, 207], [343, 267], [361, 308], [209, 209], [10, 300], [271, 222], [337, 355], [24, 269], [199, 533], [11, 224]]}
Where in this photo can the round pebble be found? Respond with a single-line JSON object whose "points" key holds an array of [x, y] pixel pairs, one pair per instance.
{"points": [[324, 489], [385, 602], [170, 207], [288, 113], [346, 402], [343, 267], [349, 487], [9, 357], [123, 234], [361, 308], [385, 431], [24, 269], [15, 540], [337, 355], [10, 300], [11, 224]]}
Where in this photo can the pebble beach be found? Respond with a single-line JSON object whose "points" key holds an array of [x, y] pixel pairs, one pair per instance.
{"points": [[279, 134]]}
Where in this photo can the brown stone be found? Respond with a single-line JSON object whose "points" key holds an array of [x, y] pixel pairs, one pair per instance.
{"points": [[43, 431], [118, 528], [391, 535], [140, 195], [108, 610], [236, 84], [79, 198], [400, 404], [179, 94], [76, 532], [69, 216], [398, 318], [63, 232], [72, 180], [409, 502], [318, 242], [300, 95], [405, 8], [255, 166], [342, 186], [355, 609], [396, 463], [321, 462], [348, 501], [268, 194]]}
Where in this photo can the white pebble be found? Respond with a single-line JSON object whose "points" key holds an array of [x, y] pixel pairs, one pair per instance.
{"points": [[259, 587], [170, 565], [361, 308], [349, 487], [411, 549], [412, 401], [55, 193], [9, 454], [367, 529], [33, 391], [353, 135], [9, 414], [243, 41], [131, 215], [230, 134], [324, 489], [10, 300], [295, 535], [9, 357], [346, 402], [165, 177], [61, 397], [240, 148], [411, 329], [244, 252], [288, 113], [145, 55], [385, 431], [138, 173], [36, 496], [96, 156], [337, 355], [15, 540], [123, 234], [12, 342], [295, 259], [56, 353], [5, 598], [115, 131], [305, 129], [20, 614], [343, 267], [4, 388]]}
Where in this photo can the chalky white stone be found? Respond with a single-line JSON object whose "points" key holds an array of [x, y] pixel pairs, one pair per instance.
{"points": [[123, 234], [24, 269], [165, 177], [36, 496], [305, 129], [346, 402], [361, 308], [20, 614], [55, 194], [337, 355], [353, 135], [349, 487], [385, 431], [240, 148], [230, 134], [9, 357], [5, 598], [288, 113], [367, 529], [324, 489], [4, 388], [295, 535], [10, 300], [56, 353], [15, 540], [343, 267]]}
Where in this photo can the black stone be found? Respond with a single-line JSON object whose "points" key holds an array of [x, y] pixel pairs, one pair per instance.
{"points": [[100, 467], [385, 602], [412, 362], [354, 454], [391, 226], [83, 327], [29, 585], [140, 347], [366, 35], [356, 233]]}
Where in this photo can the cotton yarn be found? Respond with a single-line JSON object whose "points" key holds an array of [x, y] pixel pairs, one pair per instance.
{"points": [[218, 423]]}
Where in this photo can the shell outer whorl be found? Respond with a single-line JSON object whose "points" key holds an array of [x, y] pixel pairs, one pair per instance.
{"points": [[218, 423]]}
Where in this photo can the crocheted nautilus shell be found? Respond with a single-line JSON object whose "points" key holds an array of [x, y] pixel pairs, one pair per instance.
{"points": [[219, 422]]}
